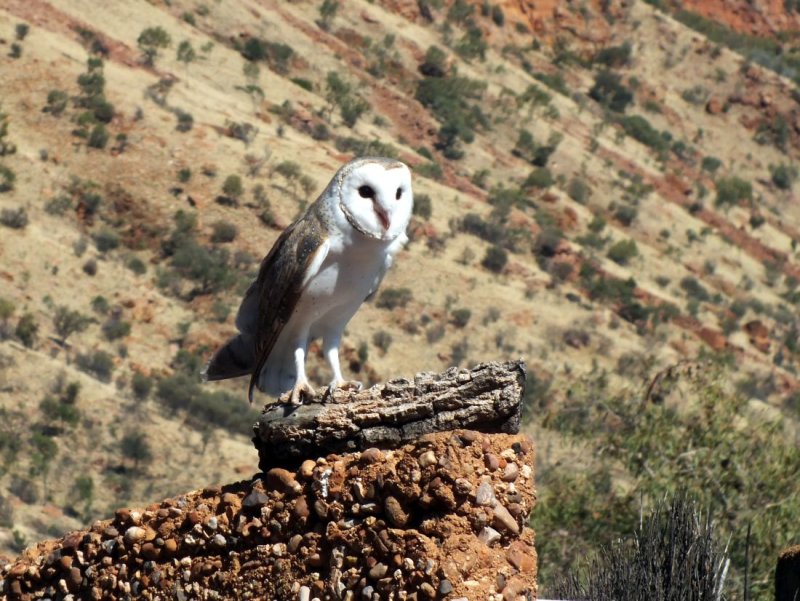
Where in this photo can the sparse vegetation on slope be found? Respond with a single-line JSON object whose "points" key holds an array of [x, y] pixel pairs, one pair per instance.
{"points": [[582, 198]]}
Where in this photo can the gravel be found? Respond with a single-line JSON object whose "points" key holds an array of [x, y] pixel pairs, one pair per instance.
{"points": [[443, 517]]}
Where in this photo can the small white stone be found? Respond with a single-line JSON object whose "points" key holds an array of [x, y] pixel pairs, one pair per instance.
{"points": [[134, 534]]}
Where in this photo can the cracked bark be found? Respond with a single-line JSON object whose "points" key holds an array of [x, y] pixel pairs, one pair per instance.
{"points": [[486, 398]]}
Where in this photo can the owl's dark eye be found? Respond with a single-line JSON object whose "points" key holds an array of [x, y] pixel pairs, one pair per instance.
{"points": [[398, 194], [366, 192]]}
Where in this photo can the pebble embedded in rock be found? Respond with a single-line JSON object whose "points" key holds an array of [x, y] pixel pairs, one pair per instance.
{"points": [[378, 571], [300, 509], [395, 512], [488, 535], [445, 588], [518, 555], [294, 543], [283, 480], [427, 458], [307, 468], [255, 499], [134, 534], [469, 436], [427, 590], [170, 546], [504, 520], [372, 455], [463, 486], [485, 495], [491, 461], [74, 579], [511, 472]]}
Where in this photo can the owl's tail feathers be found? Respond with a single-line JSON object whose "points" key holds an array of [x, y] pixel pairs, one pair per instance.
{"points": [[236, 358]]}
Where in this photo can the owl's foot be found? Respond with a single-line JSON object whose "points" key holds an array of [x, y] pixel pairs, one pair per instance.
{"points": [[296, 395], [346, 385]]}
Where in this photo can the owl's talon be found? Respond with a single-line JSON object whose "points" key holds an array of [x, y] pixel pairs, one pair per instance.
{"points": [[345, 385], [295, 395]]}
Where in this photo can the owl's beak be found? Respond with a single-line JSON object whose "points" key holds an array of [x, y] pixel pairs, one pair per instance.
{"points": [[383, 217]]}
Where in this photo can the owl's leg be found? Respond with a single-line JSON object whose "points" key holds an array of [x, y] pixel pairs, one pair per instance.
{"points": [[330, 345], [301, 387]]}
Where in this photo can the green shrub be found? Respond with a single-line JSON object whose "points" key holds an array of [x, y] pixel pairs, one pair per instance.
{"points": [[578, 190], [435, 63], [27, 330], [58, 205], [340, 93], [460, 317], [732, 190], [98, 138], [694, 289], [57, 410], [711, 164], [223, 232], [498, 16], [150, 41], [303, 83], [233, 187], [471, 44], [99, 364], [68, 322], [100, 305], [623, 251], [640, 129], [115, 328], [16, 219], [495, 259], [136, 265], [474, 224], [7, 309], [423, 206], [539, 178], [141, 385], [382, 340], [696, 95], [452, 100], [134, 446], [626, 214], [21, 31], [392, 298], [609, 91], [458, 351], [783, 175], [185, 120], [614, 56], [327, 11], [106, 240], [7, 178], [56, 102], [431, 170]]}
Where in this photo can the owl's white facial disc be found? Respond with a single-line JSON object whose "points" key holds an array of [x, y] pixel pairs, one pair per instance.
{"points": [[376, 197]]}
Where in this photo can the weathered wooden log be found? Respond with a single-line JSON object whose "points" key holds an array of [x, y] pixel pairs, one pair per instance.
{"points": [[486, 398]]}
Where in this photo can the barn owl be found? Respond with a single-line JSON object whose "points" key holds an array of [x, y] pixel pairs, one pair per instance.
{"points": [[317, 274]]}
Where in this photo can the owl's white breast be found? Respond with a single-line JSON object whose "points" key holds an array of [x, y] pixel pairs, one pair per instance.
{"points": [[350, 271]]}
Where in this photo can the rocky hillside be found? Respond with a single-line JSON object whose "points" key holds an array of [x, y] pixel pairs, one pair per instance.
{"points": [[606, 189]]}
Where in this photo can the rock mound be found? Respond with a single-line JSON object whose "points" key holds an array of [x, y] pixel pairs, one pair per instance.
{"points": [[443, 517]]}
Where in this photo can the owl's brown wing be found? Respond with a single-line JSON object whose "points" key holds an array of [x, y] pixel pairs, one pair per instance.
{"points": [[284, 272]]}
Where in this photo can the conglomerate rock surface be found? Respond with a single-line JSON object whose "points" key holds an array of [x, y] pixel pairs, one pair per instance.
{"points": [[441, 518]]}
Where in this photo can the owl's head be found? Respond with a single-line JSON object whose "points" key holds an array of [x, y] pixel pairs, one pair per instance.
{"points": [[375, 196]]}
